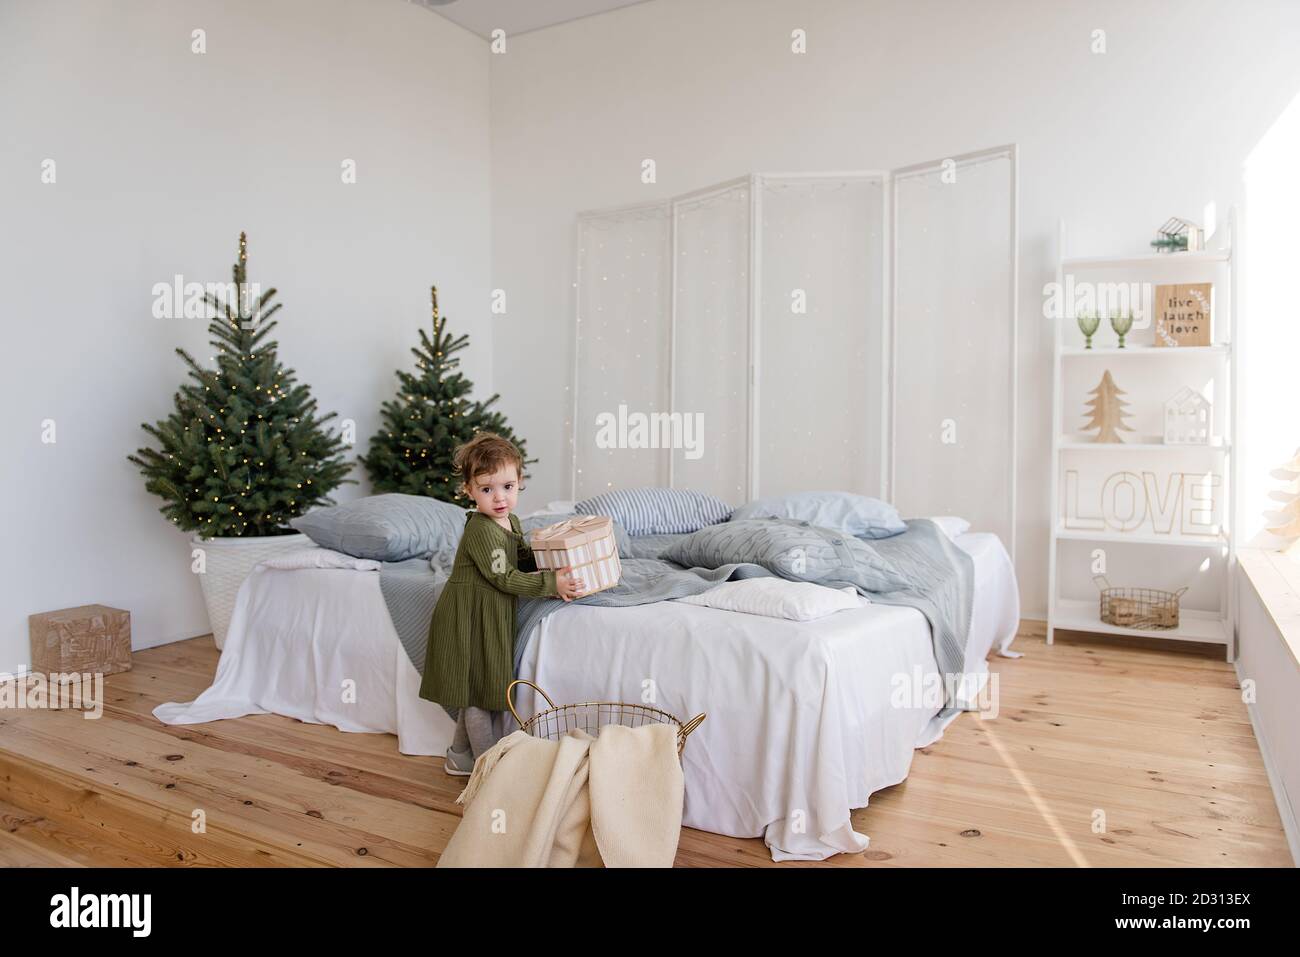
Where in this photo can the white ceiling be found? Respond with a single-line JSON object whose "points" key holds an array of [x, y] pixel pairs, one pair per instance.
{"points": [[518, 16]]}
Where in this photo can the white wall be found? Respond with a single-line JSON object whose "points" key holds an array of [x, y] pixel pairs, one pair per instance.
{"points": [[163, 156], [1115, 143]]}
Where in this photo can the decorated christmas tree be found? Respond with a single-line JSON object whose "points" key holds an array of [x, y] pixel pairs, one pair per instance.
{"points": [[431, 415], [1284, 522], [244, 450], [1106, 411]]}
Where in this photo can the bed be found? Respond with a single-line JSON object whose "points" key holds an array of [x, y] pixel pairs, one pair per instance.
{"points": [[804, 721]]}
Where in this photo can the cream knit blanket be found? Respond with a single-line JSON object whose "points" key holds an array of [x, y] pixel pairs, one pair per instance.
{"points": [[580, 801]]}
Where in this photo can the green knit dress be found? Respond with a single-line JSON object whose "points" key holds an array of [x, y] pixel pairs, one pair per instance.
{"points": [[470, 658]]}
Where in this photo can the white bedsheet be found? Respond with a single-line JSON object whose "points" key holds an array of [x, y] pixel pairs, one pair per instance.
{"points": [[317, 644], [800, 727]]}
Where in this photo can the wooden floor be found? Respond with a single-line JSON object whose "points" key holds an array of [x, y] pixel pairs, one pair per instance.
{"points": [[1156, 741]]}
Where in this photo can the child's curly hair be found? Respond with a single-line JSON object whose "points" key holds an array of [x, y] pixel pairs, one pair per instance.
{"points": [[485, 454]]}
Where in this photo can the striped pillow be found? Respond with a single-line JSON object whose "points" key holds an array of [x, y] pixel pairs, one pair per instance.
{"points": [[657, 511]]}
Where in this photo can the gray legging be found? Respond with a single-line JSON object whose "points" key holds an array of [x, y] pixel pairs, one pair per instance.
{"points": [[476, 728]]}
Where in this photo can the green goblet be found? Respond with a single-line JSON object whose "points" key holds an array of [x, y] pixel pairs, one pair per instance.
{"points": [[1088, 323], [1121, 325]]}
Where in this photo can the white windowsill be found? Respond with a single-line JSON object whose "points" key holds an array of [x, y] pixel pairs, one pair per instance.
{"points": [[1276, 579]]}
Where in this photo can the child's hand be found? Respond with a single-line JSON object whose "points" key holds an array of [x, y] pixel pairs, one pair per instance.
{"points": [[566, 585]]}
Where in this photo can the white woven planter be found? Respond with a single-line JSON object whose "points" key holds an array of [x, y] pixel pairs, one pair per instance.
{"points": [[228, 562]]}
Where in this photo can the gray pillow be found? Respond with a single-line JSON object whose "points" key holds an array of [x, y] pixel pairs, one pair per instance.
{"points": [[621, 540], [388, 528], [856, 515], [793, 549], [651, 546]]}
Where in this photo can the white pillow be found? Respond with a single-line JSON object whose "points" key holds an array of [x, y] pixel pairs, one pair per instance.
{"points": [[951, 525], [858, 515], [779, 598], [320, 558]]}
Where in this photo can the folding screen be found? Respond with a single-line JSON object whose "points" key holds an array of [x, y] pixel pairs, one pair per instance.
{"points": [[847, 331], [820, 369], [710, 341], [954, 340], [621, 346]]}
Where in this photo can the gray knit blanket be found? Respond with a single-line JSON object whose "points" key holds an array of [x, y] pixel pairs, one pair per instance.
{"points": [[940, 580], [411, 589], [643, 580], [941, 586]]}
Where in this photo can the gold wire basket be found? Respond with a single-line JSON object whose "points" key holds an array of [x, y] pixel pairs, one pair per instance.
{"points": [[591, 716], [1138, 607]]}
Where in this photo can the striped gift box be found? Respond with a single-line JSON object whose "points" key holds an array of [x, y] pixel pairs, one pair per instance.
{"points": [[585, 542]]}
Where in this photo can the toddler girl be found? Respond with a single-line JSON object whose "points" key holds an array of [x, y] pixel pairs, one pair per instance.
{"points": [[470, 658]]}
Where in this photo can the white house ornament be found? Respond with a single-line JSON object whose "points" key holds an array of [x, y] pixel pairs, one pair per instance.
{"points": [[1187, 418]]}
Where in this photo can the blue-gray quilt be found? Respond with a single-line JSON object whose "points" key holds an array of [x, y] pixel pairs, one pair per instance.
{"points": [[929, 573]]}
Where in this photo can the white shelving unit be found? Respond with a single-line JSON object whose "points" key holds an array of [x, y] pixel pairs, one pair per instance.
{"points": [[1151, 556]]}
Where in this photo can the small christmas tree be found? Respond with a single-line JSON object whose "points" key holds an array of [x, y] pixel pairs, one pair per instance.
{"points": [[1285, 521], [1107, 410], [244, 451], [432, 415]]}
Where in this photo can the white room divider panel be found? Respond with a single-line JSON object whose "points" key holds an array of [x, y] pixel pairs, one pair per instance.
{"points": [[847, 331], [820, 381], [621, 347], [953, 334], [711, 341]]}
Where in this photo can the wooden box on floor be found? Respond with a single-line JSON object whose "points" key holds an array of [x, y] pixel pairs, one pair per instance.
{"points": [[88, 639]]}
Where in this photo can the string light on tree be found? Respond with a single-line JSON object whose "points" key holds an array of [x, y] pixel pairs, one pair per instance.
{"points": [[430, 416], [234, 500]]}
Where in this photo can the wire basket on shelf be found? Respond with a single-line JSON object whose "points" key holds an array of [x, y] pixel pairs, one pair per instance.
{"points": [[591, 716], [1138, 607]]}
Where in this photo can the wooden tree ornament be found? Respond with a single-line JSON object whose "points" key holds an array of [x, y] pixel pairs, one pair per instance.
{"points": [[1106, 411], [1284, 522]]}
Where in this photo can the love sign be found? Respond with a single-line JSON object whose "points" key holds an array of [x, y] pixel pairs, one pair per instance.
{"points": [[1184, 504]]}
